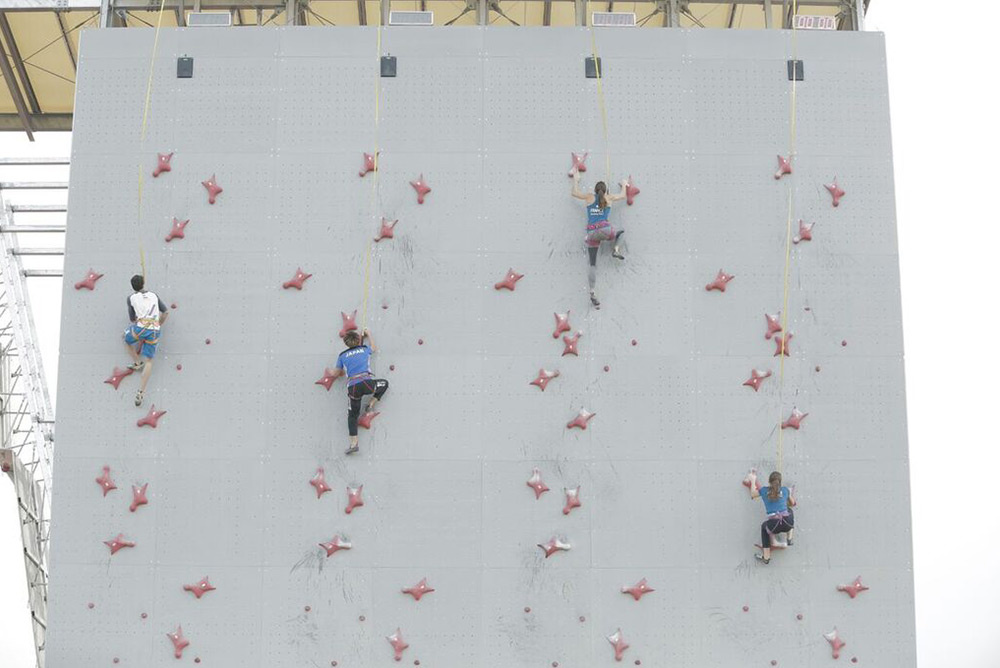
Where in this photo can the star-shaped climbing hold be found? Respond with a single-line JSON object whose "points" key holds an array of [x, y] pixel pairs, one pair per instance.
{"points": [[318, 481], [118, 543], [162, 163], [721, 279], [773, 324], [630, 191], [368, 164], [756, 378], [805, 232], [638, 590], [327, 379], [117, 375], [617, 641], [579, 163], [179, 641], [385, 231], [418, 590], [105, 480], [554, 545], [366, 419], [572, 499], [581, 419], [421, 187], [88, 281], [781, 344], [750, 479], [297, 280], [835, 191], [152, 417], [213, 189], [543, 378], [138, 497], [349, 323], [854, 588], [835, 642], [200, 588], [569, 344], [508, 281], [784, 167], [177, 230], [794, 420], [335, 545], [562, 324], [354, 498], [398, 644], [535, 483]]}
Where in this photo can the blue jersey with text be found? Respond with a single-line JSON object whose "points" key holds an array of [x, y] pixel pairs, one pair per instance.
{"points": [[779, 505], [595, 214], [355, 362]]}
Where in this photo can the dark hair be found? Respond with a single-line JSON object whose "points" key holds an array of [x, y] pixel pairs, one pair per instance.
{"points": [[352, 339], [138, 282], [774, 480], [600, 189]]}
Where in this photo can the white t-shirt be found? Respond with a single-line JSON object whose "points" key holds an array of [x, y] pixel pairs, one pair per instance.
{"points": [[145, 308]]}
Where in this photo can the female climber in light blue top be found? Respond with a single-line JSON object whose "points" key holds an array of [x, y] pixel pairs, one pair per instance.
{"points": [[598, 227], [778, 503]]}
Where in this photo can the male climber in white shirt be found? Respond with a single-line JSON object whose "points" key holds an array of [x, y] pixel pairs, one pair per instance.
{"points": [[147, 314]]}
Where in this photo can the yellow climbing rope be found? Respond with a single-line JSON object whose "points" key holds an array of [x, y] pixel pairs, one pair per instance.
{"points": [[603, 107], [375, 171]]}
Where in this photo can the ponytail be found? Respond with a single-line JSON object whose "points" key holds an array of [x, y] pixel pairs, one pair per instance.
{"points": [[774, 491], [600, 190]]}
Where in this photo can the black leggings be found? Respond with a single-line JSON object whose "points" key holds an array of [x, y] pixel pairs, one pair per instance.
{"points": [[375, 386], [775, 525]]}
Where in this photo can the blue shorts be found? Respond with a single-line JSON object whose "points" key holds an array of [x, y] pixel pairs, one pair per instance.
{"points": [[149, 338]]}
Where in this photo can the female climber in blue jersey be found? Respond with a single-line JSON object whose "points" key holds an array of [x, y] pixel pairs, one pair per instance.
{"points": [[778, 503], [355, 363], [598, 227]]}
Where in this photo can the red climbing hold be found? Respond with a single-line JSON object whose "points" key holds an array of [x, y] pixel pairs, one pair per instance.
{"points": [[572, 499], [579, 163], [418, 590], [177, 230], [543, 378], [297, 280], [570, 344], [562, 324], [509, 281], [784, 167], [581, 419], [638, 590], [335, 545], [151, 418], [179, 641], [844, 343], [327, 379], [835, 642], [117, 376], [835, 191], [617, 641], [805, 232], [420, 342], [721, 279], [366, 419], [213, 189], [746, 608], [318, 481], [421, 187], [398, 644], [854, 588], [554, 545], [138, 497], [368, 165], [385, 231], [607, 368], [794, 420], [162, 163], [200, 588], [781, 344], [90, 606], [118, 543], [773, 324], [88, 281], [756, 378], [179, 367], [634, 342], [535, 483], [349, 324], [751, 479], [630, 191], [354, 498], [105, 480]]}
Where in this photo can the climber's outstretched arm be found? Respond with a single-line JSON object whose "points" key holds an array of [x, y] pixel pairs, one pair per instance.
{"points": [[371, 342], [577, 193], [620, 196], [754, 492]]}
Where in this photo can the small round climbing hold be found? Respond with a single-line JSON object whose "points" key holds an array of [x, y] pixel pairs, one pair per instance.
{"points": [[638, 662], [808, 308], [527, 609], [174, 305], [555, 664], [334, 664], [844, 343], [208, 342], [308, 608], [799, 616], [90, 606], [420, 342], [197, 659], [774, 662], [854, 659], [385, 306], [115, 660], [607, 368], [582, 618], [361, 618], [746, 608], [634, 342], [392, 367], [144, 615], [416, 662], [817, 368], [179, 367]]}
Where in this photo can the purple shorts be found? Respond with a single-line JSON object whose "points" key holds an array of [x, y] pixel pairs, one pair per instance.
{"points": [[598, 232]]}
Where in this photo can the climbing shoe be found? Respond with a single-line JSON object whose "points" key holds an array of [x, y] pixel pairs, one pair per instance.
{"points": [[138, 398], [351, 450], [761, 559], [136, 366], [595, 301], [617, 254]]}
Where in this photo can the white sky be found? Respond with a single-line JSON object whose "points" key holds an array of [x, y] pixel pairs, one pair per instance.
{"points": [[946, 137]]}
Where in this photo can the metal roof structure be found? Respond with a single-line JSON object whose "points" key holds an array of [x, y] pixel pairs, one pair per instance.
{"points": [[40, 38]]}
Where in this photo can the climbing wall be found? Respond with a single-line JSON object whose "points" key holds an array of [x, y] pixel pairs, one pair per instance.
{"points": [[645, 415]]}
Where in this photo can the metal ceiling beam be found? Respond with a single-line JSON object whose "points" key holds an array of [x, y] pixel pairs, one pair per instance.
{"points": [[65, 36], [39, 123], [144, 5], [768, 15], [547, 13], [731, 21], [362, 13], [15, 55], [15, 93]]}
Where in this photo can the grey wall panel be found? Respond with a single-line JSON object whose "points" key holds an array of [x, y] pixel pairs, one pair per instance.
{"points": [[489, 117]]}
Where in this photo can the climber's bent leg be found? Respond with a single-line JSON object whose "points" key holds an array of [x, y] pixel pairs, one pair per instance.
{"points": [[592, 273], [380, 386], [617, 253], [131, 339]]}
